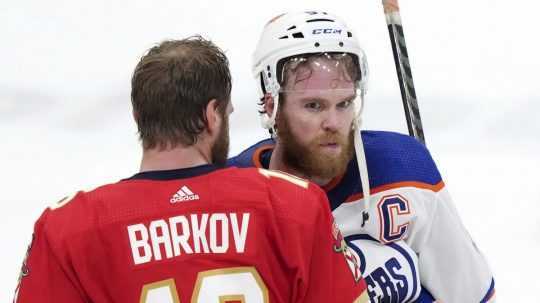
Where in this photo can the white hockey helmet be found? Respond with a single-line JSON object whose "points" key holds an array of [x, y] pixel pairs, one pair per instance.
{"points": [[294, 34]]}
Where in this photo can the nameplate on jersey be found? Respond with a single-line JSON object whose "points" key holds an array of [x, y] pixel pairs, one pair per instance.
{"points": [[208, 233]]}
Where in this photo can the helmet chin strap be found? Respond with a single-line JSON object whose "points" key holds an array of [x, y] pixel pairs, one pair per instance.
{"points": [[361, 159]]}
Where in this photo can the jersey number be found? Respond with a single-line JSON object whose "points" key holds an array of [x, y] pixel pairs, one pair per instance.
{"points": [[226, 285]]}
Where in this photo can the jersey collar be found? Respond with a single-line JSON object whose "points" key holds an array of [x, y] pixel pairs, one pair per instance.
{"points": [[173, 174]]}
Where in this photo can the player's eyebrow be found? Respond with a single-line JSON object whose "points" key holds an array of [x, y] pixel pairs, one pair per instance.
{"points": [[321, 99], [349, 98], [311, 99]]}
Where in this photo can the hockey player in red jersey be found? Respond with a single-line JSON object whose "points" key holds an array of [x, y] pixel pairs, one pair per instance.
{"points": [[182, 229], [398, 219]]}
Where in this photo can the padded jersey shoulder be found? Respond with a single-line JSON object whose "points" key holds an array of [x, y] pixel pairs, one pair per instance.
{"points": [[394, 157], [393, 160]]}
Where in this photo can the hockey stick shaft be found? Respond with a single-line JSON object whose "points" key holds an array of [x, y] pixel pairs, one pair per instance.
{"points": [[403, 69]]}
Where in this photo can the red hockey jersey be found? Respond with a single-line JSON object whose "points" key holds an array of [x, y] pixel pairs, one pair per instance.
{"points": [[192, 235]]}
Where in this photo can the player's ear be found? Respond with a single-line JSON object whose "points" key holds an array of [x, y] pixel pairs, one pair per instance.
{"points": [[268, 104], [213, 116]]}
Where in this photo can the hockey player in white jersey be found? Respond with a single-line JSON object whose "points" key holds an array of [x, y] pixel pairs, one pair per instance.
{"points": [[407, 235]]}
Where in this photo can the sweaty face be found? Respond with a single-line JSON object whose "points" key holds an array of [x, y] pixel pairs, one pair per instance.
{"points": [[314, 123]]}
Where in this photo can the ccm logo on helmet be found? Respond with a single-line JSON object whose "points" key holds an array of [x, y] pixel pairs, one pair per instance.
{"points": [[319, 31]]}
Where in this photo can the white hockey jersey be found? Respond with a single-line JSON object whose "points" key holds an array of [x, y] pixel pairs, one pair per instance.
{"points": [[414, 247]]}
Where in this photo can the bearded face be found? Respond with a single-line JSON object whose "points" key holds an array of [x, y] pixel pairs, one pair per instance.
{"points": [[315, 117], [310, 158]]}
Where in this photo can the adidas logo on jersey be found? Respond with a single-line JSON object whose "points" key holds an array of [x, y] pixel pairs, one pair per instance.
{"points": [[184, 194]]}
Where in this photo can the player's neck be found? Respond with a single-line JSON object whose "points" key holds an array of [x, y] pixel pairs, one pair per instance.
{"points": [[277, 163], [174, 158]]}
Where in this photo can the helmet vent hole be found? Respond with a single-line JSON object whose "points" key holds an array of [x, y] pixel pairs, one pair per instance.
{"points": [[284, 37], [291, 28], [320, 20], [349, 34], [317, 44], [341, 44], [298, 35]]}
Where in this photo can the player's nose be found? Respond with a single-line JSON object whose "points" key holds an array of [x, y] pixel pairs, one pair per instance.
{"points": [[331, 121]]}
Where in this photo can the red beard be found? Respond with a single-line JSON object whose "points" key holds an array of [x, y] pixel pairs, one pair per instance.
{"points": [[310, 159]]}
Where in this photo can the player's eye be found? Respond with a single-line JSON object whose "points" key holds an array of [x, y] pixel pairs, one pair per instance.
{"points": [[313, 105], [344, 104]]}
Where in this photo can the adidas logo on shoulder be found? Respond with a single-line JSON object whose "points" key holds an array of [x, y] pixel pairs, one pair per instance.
{"points": [[184, 194]]}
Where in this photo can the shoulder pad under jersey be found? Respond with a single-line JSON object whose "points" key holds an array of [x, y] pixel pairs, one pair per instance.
{"points": [[392, 158]]}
